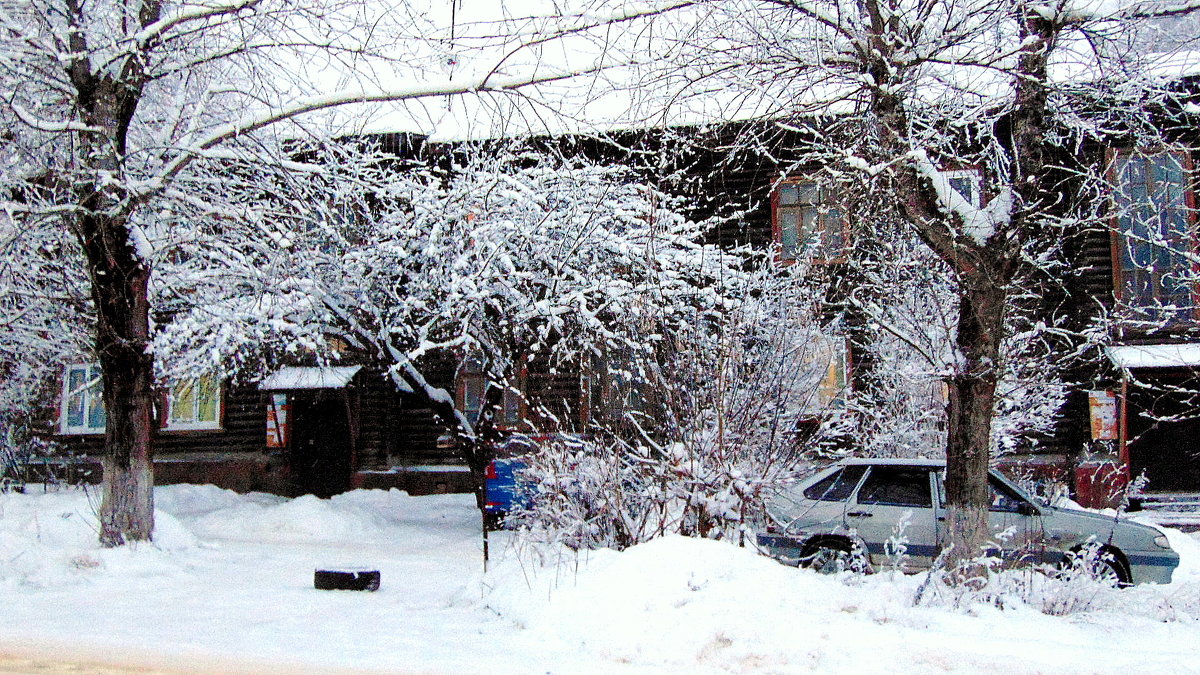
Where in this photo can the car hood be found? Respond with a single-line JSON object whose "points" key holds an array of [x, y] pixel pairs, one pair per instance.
{"points": [[1105, 527]]}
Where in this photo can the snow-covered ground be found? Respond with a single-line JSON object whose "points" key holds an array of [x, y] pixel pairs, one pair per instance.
{"points": [[227, 587]]}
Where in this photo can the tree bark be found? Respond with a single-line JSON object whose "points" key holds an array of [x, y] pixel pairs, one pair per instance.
{"points": [[969, 410], [119, 290]]}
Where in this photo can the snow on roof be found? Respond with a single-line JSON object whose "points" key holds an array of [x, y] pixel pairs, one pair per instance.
{"points": [[301, 377], [1155, 356]]}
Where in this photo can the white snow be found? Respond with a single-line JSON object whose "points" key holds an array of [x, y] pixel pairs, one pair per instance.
{"points": [[1155, 356], [300, 377], [227, 587]]}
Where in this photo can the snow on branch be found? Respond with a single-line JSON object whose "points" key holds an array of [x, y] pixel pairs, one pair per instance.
{"points": [[1091, 10], [483, 84], [158, 28], [978, 223], [49, 126]]}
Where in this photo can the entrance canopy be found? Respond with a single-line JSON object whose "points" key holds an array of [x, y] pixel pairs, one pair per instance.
{"points": [[1155, 356], [309, 377]]}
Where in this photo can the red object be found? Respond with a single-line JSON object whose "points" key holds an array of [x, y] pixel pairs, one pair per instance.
{"points": [[490, 474], [1100, 485]]}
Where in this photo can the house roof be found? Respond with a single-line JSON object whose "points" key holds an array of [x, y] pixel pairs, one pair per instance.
{"points": [[1155, 356], [309, 377]]}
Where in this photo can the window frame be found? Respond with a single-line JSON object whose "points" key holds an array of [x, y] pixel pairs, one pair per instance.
{"points": [[91, 390], [819, 252], [194, 424], [883, 470], [515, 399], [975, 175], [1117, 160]]}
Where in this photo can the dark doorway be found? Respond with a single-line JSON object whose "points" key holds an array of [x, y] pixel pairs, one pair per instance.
{"points": [[1163, 427], [322, 445]]}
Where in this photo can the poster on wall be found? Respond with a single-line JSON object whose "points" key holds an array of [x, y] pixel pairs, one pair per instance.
{"points": [[277, 421], [1103, 406]]}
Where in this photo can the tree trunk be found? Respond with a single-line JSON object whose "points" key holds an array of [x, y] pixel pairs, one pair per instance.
{"points": [[969, 410], [119, 290], [119, 278]]}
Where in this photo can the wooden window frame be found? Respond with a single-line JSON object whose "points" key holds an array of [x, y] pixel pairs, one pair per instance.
{"points": [[1115, 160], [192, 423], [784, 256], [468, 377]]}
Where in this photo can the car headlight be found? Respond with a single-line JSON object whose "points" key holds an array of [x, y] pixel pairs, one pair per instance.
{"points": [[1161, 541]]}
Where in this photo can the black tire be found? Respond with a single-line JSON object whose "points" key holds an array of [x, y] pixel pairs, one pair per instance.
{"points": [[830, 556], [346, 580], [1103, 565]]}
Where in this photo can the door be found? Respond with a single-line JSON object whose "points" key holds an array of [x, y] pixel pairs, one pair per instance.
{"points": [[1164, 431], [321, 443], [894, 508], [1014, 523]]}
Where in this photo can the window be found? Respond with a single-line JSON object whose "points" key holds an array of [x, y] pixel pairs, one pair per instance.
{"points": [[836, 488], [896, 486], [1154, 234], [806, 222], [967, 184], [472, 384], [191, 404], [194, 404], [615, 388], [82, 400], [834, 384], [826, 365], [1002, 498]]}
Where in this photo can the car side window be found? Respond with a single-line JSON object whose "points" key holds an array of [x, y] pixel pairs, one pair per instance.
{"points": [[837, 486], [1003, 499], [896, 486]]}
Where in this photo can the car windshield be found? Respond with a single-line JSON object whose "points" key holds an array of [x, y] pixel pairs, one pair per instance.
{"points": [[837, 486], [1003, 497]]}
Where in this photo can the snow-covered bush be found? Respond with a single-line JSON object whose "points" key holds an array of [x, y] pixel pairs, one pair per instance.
{"points": [[594, 494], [701, 424], [1080, 584]]}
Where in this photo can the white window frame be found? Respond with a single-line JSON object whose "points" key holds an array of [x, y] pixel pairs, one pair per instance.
{"points": [[91, 394], [974, 177], [192, 422]]}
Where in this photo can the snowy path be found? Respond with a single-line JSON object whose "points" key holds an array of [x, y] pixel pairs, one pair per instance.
{"points": [[224, 595], [227, 588]]}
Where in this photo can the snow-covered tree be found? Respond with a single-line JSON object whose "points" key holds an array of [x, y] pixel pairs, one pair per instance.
{"points": [[974, 117], [507, 259], [118, 115]]}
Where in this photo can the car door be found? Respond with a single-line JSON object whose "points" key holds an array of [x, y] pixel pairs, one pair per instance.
{"points": [[893, 507], [1014, 522]]}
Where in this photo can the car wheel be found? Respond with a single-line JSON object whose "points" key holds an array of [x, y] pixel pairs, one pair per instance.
{"points": [[1106, 569], [1102, 566], [830, 556]]}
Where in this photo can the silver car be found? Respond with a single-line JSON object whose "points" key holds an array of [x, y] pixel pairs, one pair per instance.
{"points": [[856, 513]]}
